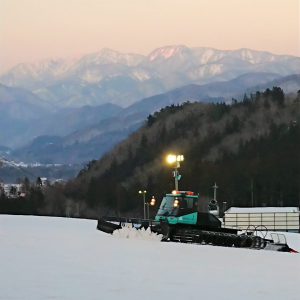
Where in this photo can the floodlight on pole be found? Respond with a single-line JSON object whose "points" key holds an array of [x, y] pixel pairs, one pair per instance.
{"points": [[171, 158], [175, 160], [152, 201], [149, 203]]}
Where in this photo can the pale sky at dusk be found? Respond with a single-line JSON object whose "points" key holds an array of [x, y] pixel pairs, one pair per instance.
{"points": [[31, 30]]}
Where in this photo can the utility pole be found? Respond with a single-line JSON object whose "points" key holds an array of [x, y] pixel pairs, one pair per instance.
{"points": [[215, 192], [224, 206], [252, 194], [215, 198]]}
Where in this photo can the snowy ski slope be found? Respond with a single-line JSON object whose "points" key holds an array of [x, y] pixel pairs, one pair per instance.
{"points": [[57, 258]]}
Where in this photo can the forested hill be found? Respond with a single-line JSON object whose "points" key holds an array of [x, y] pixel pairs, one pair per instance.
{"points": [[251, 149]]}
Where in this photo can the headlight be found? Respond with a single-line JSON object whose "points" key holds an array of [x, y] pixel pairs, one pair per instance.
{"points": [[176, 203]]}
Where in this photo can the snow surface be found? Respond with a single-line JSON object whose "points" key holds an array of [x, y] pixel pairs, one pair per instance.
{"points": [[57, 258]]}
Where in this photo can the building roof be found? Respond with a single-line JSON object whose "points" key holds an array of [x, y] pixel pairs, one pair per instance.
{"points": [[249, 210]]}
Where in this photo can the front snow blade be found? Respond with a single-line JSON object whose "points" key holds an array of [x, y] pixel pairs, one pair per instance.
{"points": [[107, 227], [110, 224]]}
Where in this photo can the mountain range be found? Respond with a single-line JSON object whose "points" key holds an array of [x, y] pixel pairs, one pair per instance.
{"points": [[71, 111], [122, 79]]}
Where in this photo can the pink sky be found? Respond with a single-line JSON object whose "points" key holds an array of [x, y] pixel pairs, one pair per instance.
{"points": [[31, 30]]}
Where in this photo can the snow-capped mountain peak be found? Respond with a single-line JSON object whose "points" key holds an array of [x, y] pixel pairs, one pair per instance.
{"points": [[253, 56], [109, 56], [30, 74], [166, 52]]}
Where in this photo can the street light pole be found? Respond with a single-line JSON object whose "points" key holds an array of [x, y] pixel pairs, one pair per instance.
{"points": [[176, 175], [143, 193], [148, 210], [144, 206]]}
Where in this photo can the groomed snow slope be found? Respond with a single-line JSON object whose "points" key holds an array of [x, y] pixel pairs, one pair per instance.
{"points": [[56, 258]]}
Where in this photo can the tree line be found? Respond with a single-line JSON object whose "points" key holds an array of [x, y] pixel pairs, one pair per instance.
{"points": [[250, 148]]}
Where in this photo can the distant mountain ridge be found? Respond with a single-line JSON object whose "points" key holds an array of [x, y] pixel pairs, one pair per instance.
{"points": [[95, 140], [24, 116], [122, 79], [290, 84]]}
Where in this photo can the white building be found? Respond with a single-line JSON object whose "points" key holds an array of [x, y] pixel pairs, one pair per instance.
{"points": [[11, 190], [44, 181], [272, 218]]}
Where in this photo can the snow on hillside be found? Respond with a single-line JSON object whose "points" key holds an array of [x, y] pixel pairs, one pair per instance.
{"points": [[56, 258]]}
